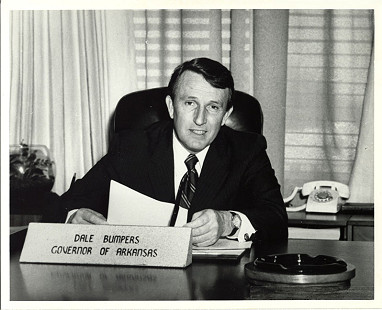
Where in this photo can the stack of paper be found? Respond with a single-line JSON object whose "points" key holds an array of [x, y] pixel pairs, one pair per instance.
{"points": [[222, 249]]}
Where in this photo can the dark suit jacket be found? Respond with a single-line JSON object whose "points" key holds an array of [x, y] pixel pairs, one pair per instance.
{"points": [[236, 175]]}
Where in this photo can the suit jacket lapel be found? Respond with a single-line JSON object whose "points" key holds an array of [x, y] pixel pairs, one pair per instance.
{"points": [[214, 173], [161, 166]]}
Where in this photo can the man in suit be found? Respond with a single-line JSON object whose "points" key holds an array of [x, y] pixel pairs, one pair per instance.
{"points": [[235, 192]]}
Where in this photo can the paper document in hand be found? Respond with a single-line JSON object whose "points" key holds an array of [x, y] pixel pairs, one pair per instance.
{"points": [[129, 207]]}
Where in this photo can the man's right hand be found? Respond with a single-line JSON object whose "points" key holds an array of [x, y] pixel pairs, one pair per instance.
{"points": [[87, 216]]}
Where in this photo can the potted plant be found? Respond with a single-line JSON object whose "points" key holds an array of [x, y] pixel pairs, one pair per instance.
{"points": [[31, 177]]}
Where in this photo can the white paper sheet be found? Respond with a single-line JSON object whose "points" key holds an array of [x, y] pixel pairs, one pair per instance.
{"points": [[129, 207]]}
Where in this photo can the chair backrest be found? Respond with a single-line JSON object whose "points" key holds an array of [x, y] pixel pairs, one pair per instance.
{"points": [[142, 108]]}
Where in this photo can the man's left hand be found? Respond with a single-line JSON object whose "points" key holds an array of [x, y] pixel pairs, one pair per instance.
{"points": [[209, 225]]}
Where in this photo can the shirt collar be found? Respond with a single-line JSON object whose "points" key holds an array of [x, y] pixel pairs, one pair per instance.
{"points": [[181, 152]]}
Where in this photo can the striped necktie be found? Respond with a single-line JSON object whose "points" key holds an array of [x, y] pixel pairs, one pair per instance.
{"points": [[187, 187], [188, 183]]}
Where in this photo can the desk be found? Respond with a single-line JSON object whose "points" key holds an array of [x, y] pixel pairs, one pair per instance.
{"points": [[318, 220], [202, 280], [360, 227], [349, 224]]}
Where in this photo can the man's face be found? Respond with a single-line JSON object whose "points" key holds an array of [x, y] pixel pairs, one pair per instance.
{"points": [[199, 110]]}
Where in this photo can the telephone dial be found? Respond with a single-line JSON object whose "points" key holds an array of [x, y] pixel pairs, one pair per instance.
{"points": [[323, 196]]}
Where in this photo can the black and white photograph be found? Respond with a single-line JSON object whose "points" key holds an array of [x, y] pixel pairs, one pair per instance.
{"points": [[189, 156]]}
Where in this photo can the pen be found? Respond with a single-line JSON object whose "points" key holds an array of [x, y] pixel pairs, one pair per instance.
{"points": [[73, 180], [248, 237]]}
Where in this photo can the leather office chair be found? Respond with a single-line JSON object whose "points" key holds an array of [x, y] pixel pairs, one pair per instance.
{"points": [[143, 108]]}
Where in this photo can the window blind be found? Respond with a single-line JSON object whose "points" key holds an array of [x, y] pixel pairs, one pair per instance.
{"points": [[328, 60], [166, 38]]}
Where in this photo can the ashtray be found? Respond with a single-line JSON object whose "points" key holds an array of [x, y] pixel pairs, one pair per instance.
{"points": [[300, 264], [299, 269]]}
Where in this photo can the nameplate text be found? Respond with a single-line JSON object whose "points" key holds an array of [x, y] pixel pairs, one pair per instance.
{"points": [[107, 245]]}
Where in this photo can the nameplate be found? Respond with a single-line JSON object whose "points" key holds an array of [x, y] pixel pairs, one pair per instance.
{"points": [[107, 245]]}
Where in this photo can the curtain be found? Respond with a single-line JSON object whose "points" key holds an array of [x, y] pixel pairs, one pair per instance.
{"points": [[329, 55], [68, 70], [166, 38], [308, 69], [270, 74], [362, 177]]}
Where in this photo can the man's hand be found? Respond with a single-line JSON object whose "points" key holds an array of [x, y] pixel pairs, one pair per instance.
{"points": [[87, 216], [209, 225]]}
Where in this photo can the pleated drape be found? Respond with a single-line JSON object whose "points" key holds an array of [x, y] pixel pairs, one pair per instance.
{"points": [[68, 69], [361, 182]]}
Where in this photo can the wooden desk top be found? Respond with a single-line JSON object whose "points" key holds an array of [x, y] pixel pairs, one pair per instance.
{"points": [[329, 220], [202, 280], [362, 220], [335, 220]]}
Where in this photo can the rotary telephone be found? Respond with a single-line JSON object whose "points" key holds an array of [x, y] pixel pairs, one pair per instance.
{"points": [[324, 196]]}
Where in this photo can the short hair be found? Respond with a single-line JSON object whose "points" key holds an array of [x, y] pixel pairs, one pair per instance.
{"points": [[214, 73]]}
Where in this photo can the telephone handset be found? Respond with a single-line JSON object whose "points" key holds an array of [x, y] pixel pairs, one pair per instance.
{"points": [[324, 196]]}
